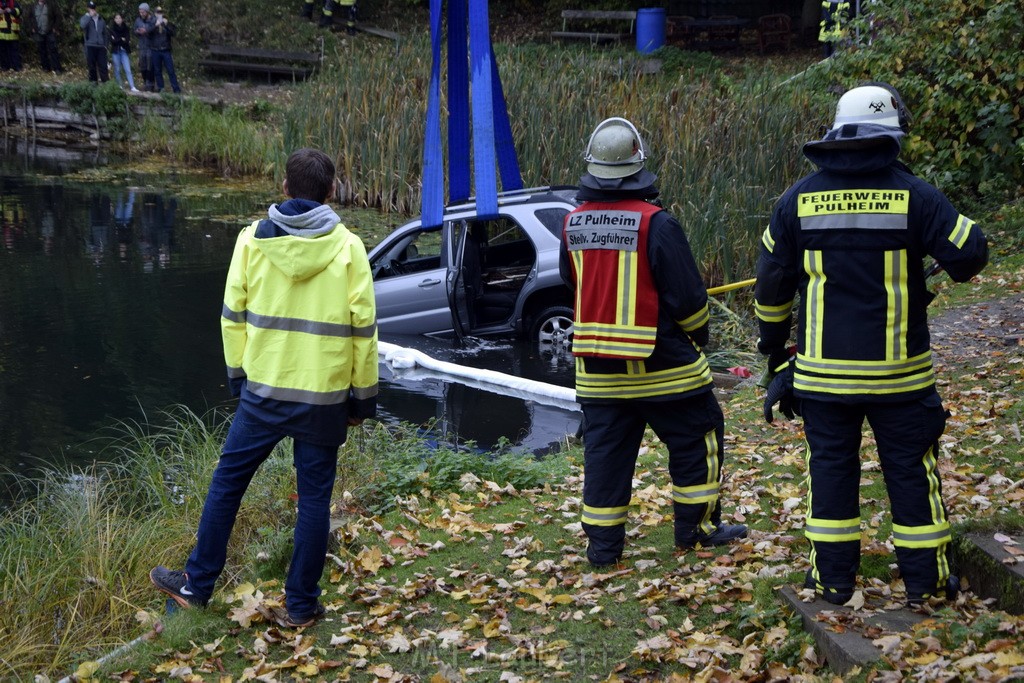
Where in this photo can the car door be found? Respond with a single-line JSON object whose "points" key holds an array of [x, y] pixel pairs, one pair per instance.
{"points": [[458, 281], [409, 274]]}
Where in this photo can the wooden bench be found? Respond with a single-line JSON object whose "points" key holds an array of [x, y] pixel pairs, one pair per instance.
{"points": [[594, 16], [251, 61]]}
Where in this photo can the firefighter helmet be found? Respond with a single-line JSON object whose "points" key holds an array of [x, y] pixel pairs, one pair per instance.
{"points": [[615, 150], [877, 103]]}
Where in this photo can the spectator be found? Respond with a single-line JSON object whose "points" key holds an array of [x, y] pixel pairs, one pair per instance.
{"points": [[144, 25], [160, 48], [10, 33], [120, 49], [96, 35], [299, 285], [44, 27]]}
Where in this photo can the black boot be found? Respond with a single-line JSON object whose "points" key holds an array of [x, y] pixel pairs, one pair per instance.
{"points": [[307, 10]]}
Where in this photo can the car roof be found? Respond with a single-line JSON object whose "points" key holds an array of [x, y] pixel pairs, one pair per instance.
{"points": [[532, 195]]}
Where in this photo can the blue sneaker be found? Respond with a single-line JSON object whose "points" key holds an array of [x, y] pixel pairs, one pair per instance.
{"points": [[175, 584]]}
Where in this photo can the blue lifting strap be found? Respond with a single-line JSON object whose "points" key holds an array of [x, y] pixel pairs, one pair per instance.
{"points": [[483, 111], [432, 203], [458, 102], [491, 132]]}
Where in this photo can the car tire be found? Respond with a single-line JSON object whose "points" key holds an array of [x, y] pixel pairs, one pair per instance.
{"points": [[552, 327]]}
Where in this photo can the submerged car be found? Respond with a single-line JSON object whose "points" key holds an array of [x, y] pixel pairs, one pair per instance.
{"points": [[479, 276]]}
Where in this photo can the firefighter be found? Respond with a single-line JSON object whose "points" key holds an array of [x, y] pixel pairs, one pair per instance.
{"points": [[850, 240], [327, 16], [834, 15], [10, 35], [641, 318]]}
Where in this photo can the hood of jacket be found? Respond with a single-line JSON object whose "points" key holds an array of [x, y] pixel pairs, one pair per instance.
{"points": [[308, 241], [855, 148]]}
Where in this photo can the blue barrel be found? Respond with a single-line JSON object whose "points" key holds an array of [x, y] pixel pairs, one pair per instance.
{"points": [[650, 29]]}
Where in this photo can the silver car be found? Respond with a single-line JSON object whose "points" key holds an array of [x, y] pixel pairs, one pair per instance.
{"points": [[479, 276]]}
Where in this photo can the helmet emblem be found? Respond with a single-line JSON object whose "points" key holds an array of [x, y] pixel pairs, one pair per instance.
{"points": [[877, 107]]}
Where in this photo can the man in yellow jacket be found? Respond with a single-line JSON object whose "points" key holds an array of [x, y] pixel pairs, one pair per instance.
{"points": [[300, 342]]}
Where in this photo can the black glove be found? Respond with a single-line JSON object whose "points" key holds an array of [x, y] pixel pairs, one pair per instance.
{"points": [[781, 391]]}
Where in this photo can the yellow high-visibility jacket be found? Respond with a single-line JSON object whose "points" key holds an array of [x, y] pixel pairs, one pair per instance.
{"points": [[299, 319]]}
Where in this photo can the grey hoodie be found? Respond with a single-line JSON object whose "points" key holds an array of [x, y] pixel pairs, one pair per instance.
{"points": [[95, 31]]}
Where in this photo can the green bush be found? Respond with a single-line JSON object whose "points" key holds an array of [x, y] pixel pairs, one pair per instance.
{"points": [[960, 67], [405, 464]]}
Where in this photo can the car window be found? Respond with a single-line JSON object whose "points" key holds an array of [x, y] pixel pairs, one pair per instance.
{"points": [[552, 219], [413, 253]]}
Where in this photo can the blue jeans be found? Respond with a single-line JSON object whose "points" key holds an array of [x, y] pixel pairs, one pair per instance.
{"points": [[163, 59], [248, 444], [119, 58]]}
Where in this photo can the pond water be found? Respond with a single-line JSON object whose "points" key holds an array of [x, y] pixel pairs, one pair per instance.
{"points": [[110, 297]]}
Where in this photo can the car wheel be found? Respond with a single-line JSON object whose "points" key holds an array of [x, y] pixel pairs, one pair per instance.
{"points": [[553, 327]]}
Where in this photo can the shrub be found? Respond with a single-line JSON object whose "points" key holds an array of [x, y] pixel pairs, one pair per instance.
{"points": [[960, 67]]}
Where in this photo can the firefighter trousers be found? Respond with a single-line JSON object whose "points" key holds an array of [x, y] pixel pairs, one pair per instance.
{"points": [[906, 434], [691, 428]]}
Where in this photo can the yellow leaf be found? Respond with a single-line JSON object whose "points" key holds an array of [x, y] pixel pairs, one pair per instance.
{"points": [[87, 669], [492, 628], [1009, 658], [309, 669], [370, 559], [926, 658]]}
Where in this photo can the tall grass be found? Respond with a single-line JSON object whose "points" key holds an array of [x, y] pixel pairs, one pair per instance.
{"points": [[74, 559], [724, 146], [234, 140]]}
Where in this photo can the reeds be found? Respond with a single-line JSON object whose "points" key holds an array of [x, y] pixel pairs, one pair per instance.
{"points": [[74, 559], [724, 146]]}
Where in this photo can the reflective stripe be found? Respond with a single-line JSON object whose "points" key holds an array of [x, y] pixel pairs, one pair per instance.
{"points": [[604, 516], [625, 311], [896, 309], [828, 366], [702, 493], [767, 240], [641, 384], [863, 386], [317, 398], [930, 536], [931, 467], [235, 373], [832, 530], [961, 231], [697, 320], [713, 467], [814, 307], [363, 392], [233, 316], [643, 334], [855, 221], [271, 322], [773, 314]]}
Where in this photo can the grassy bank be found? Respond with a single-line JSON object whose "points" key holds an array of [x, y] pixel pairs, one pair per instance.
{"points": [[467, 568], [74, 558]]}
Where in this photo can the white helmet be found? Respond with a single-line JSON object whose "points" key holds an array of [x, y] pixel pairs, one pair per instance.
{"points": [[615, 150], [870, 104]]}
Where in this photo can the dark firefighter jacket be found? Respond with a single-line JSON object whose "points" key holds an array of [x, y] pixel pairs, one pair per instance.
{"points": [[851, 239], [674, 365]]}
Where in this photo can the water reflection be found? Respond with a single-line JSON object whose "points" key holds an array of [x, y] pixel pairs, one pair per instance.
{"points": [[110, 305]]}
